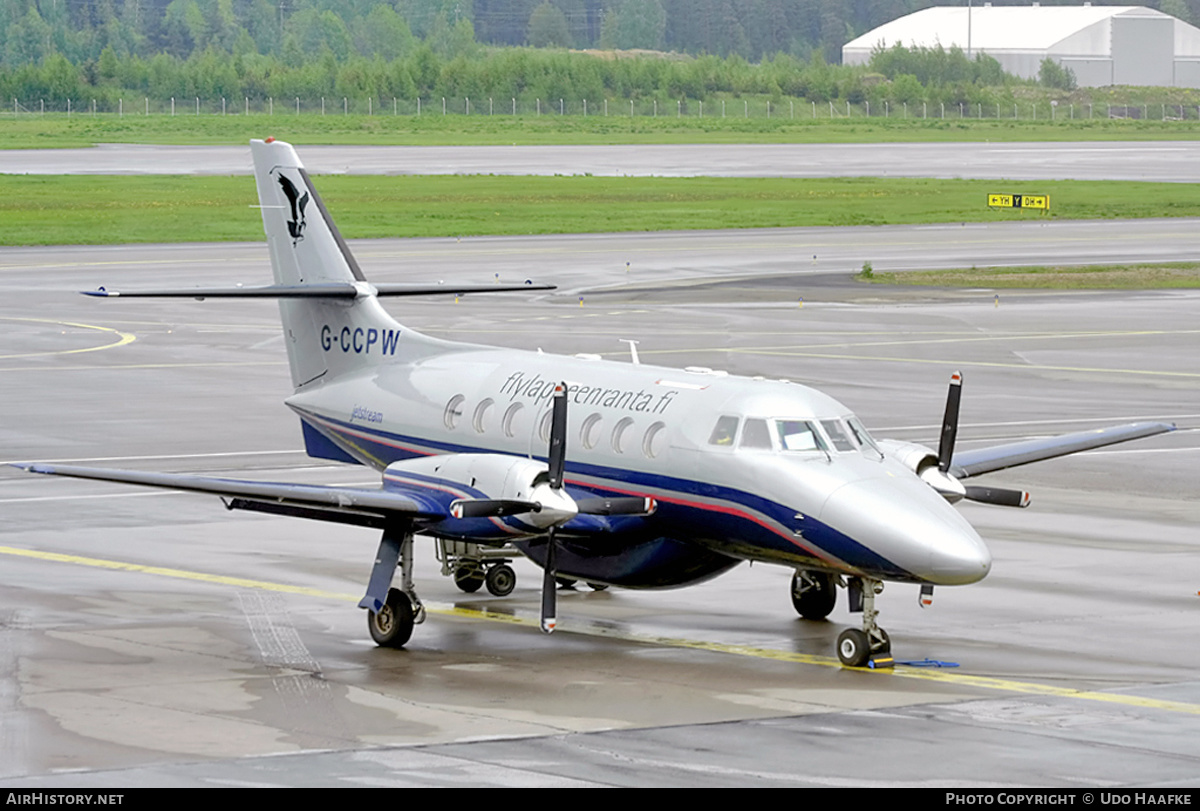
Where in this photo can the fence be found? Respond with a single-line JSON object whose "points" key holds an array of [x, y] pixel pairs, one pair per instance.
{"points": [[647, 108]]}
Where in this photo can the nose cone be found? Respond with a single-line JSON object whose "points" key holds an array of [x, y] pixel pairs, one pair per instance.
{"points": [[904, 522]]}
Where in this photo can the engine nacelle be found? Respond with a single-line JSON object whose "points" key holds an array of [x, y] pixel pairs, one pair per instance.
{"points": [[492, 475], [924, 462], [913, 456]]}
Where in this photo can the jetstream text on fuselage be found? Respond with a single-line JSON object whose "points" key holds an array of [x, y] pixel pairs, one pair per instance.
{"points": [[539, 390], [360, 341]]}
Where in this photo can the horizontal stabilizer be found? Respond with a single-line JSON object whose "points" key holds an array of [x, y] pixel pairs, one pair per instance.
{"points": [[333, 290], [999, 457]]}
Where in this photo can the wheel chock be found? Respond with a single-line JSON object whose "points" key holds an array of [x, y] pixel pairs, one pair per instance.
{"points": [[879, 661]]}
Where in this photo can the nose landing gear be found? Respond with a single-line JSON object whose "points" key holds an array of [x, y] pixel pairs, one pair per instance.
{"points": [[870, 646], [814, 595]]}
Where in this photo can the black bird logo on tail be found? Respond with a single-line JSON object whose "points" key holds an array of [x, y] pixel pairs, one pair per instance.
{"points": [[297, 222]]}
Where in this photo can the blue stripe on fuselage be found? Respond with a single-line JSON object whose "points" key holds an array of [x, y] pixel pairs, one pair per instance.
{"points": [[680, 507]]}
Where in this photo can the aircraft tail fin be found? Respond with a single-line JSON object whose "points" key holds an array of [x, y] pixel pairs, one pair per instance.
{"points": [[327, 336], [306, 246]]}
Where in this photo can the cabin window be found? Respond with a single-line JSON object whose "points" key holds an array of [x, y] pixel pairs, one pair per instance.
{"points": [[620, 435], [756, 435], [479, 420], [655, 440], [589, 432], [724, 431], [454, 411], [841, 441], [798, 435], [509, 422]]}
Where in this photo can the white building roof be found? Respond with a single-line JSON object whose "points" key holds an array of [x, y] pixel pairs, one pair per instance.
{"points": [[995, 28]]}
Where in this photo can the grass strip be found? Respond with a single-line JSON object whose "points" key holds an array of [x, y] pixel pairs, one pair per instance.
{"points": [[1054, 277], [98, 209], [57, 130]]}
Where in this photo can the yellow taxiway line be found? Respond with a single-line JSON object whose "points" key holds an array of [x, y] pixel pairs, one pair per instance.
{"points": [[122, 338], [942, 676]]}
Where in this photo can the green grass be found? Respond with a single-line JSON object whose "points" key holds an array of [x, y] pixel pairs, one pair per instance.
{"points": [[53, 130], [1092, 277], [95, 209]]}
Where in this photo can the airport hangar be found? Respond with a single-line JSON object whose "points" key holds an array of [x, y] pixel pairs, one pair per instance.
{"points": [[1101, 45]]}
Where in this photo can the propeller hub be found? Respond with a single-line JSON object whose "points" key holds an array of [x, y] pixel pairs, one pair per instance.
{"points": [[557, 507], [946, 485]]}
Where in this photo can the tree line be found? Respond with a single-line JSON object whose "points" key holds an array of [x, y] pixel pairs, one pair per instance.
{"points": [[109, 50], [80, 30]]}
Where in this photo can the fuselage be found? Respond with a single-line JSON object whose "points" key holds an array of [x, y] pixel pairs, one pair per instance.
{"points": [[741, 469]]}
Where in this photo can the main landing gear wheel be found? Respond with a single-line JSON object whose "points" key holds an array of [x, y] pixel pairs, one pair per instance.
{"points": [[814, 594], [501, 580], [469, 578], [393, 625]]}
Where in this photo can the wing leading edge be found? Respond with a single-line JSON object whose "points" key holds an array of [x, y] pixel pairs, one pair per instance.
{"points": [[987, 460], [362, 506]]}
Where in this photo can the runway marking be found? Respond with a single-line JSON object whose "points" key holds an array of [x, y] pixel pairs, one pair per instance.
{"points": [[183, 574], [122, 339], [197, 365], [213, 455], [940, 676], [799, 349], [967, 363]]}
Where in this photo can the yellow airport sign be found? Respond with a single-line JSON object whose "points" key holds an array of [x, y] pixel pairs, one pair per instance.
{"points": [[1040, 201]]}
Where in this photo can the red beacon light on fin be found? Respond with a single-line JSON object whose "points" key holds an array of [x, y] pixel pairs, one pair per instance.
{"points": [[270, 139]]}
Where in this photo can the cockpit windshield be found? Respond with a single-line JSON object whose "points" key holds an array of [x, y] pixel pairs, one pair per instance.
{"points": [[799, 435], [841, 435]]}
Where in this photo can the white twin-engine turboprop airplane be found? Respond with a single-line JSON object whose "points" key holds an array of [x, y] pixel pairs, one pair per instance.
{"points": [[657, 478]]}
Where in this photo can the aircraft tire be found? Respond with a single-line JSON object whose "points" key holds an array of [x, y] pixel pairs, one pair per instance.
{"points": [[853, 647], [817, 601], [393, 625], [468, 578], [501, 580]]}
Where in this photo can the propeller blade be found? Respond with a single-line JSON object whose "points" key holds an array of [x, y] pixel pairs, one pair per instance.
{"points": [[558, 436], [619, 505], [549, 588], [950, 422], [491, 507], [997, 495]]}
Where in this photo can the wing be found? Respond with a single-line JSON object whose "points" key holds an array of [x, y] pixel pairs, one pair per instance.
{"points": [[347, 505], [987, 460]]}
